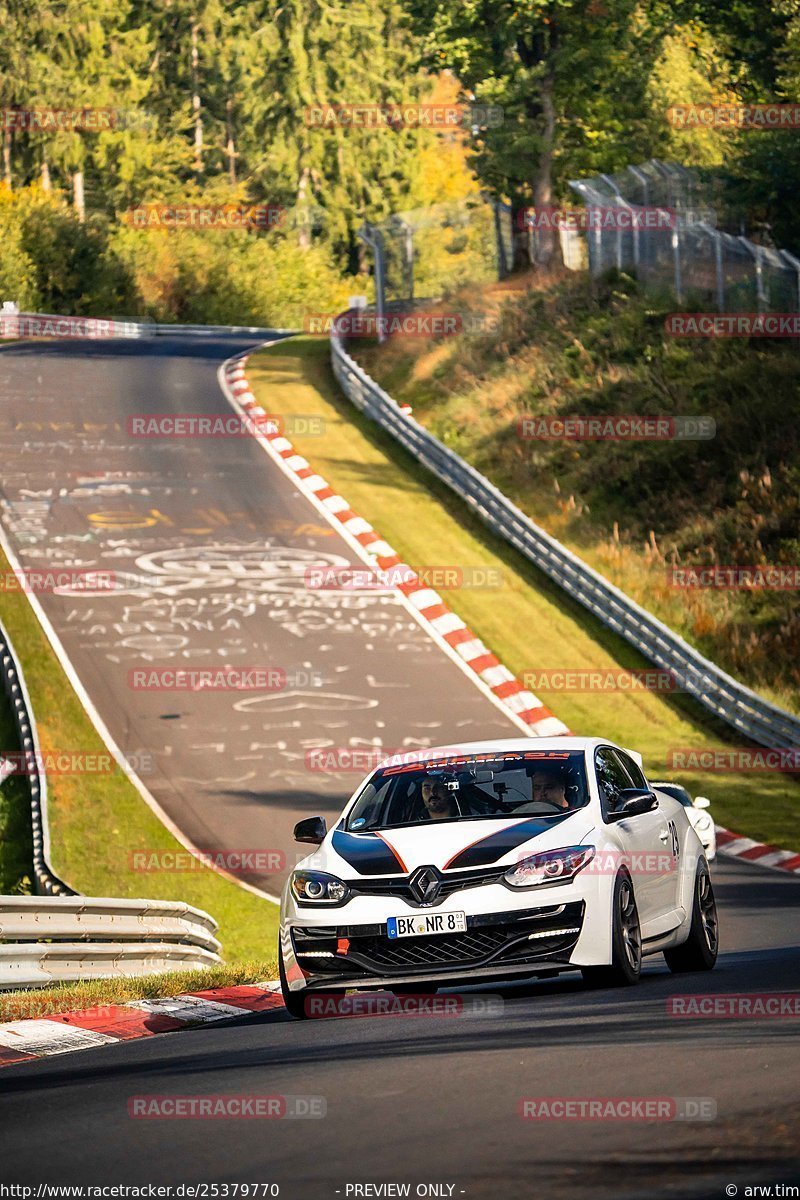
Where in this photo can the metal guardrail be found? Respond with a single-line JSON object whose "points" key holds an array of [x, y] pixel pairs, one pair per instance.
{"points": [[84, 918], [46, 881], [742, 709], [68, 938], [21, 326], [58, 935]]}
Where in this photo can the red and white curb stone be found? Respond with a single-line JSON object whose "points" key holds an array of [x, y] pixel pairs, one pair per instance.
{"points": [[757, 852], [447, 628], [62, 1033]]}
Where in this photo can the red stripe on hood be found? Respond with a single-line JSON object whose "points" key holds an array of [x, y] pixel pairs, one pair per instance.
{"points": [[386, 842]]}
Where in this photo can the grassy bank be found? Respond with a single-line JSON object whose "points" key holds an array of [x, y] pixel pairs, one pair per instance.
{"points": [[16, 844], [98, 820], [74, 997], [526, 621], [632, 509]]}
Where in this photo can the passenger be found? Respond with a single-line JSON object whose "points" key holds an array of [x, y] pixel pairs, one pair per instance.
{"points": [[550, 787]]}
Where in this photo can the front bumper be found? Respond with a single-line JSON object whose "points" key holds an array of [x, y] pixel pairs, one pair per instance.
{"points": [[494, 945]]}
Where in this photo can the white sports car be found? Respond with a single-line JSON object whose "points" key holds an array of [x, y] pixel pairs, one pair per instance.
{"points": [[495, 860], [702, 821]]}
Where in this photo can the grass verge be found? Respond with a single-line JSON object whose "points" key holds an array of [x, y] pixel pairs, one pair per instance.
{"points": [[98, 820], [637, 511], [528, 622], [16, 842], [75, 997]]}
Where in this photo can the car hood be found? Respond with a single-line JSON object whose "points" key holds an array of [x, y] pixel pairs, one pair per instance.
{"points": [[447, 845]]}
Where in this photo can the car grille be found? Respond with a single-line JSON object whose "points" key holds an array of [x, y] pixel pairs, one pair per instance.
{"points": [[504, 937], [397, 886]]}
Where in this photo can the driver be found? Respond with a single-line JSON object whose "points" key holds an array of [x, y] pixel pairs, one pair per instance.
{"points": [[550, 787], [439, 802]]}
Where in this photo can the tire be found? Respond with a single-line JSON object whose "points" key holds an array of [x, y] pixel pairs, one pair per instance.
{"points": [[295, 1001], [626, 941], [699, 951]]}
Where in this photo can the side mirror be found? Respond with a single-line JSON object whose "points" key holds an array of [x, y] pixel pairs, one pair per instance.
{"points": [[701, 802], [632, 802], [312, 829]]}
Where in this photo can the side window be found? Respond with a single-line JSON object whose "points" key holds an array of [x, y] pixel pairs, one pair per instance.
{"points": [[634, 770], [611, 777]]}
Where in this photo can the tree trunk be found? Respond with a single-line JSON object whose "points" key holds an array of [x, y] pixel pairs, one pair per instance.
{"points": [[304, 224], [46, 184], [77, 195], [544, 241], [230, 144], [7, 139], [196, 109]]}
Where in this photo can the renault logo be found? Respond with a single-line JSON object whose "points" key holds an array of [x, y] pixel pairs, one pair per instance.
{"points": [[425, 884]]}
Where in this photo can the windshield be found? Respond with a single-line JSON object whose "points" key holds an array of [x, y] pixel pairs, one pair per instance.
{"points": [[529, 783], [676, 791]]}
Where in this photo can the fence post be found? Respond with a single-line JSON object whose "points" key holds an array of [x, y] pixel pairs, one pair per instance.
{"points": [[372, 236], [676, 254], [598, 245], [398, 226], [761, 292], [719, 270], [409, 232], [794, 263]]}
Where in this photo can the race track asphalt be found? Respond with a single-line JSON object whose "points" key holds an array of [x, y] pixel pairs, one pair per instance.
{"points": [[209, 543]]}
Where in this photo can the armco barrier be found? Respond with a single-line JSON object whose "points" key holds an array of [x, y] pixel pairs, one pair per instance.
{"points": [[19, 326], [84, 918], [62, 939], [747, 713], [58, 936], [46, 881]]}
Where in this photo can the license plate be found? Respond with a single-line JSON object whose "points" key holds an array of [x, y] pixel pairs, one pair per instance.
{"points": [[429, 923]]}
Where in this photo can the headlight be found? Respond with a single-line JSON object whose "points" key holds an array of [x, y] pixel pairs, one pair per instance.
{"points": [[551, 866], [704, 822], [315, 887]]}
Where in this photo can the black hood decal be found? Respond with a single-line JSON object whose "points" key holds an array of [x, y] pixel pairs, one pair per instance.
{"points": [[367, 852], [487, 850]]}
